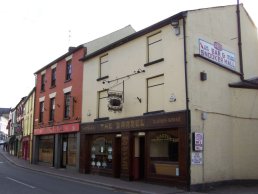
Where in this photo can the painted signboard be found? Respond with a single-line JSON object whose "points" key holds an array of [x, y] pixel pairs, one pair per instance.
{"points": [[217, 54], [197, 141]]}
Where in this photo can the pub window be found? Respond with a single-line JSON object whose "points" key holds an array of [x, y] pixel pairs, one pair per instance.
{"points": [[154, 47], [155, 92], [42, 87], [67, 103], [103, 104], [101, 153], [164, 154], [52, 109], [103, 66], [53, 77], [41, 111], [68, 74]]}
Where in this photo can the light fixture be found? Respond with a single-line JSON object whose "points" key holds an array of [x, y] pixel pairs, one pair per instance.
{"points": [[175, 24]]}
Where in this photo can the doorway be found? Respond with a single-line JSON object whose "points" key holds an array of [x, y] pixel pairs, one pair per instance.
{"points": [[117, 157], [142, 157], [64, 151]]}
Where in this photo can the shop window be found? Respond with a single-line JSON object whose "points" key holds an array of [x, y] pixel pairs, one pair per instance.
{"points": [[101, 153], [72, 147], [164, 154], [46, 145], [155, 89]]}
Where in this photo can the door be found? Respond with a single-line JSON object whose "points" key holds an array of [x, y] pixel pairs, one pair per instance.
{"points": [[142, 157], [64, 151], [117, 157]]}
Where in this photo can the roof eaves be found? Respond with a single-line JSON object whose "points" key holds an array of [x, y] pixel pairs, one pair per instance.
{"points": [[135, 35], [60, 58]]}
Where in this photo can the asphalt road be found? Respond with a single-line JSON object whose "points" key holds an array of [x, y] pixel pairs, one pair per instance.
{"points": [[15, 180]]}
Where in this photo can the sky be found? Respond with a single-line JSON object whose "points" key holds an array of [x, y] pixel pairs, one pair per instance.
{"points": [[34, 33]]}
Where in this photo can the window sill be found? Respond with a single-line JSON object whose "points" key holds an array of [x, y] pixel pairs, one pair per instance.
{"points": [[67, 118], [101, 119], [51, 87], [67, 80], [154, 112], [42, 91], [153, 62], [101, 78]]}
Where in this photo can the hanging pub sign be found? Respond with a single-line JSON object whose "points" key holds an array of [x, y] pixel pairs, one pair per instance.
{"points": [[115, 101], [197, 141], [217, 54]]}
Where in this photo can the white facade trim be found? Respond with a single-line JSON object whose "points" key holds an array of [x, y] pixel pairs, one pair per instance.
{"points": [[52, 95], [68, 89], [41, 99]]}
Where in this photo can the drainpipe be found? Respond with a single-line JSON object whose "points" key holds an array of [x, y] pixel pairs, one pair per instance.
{"points": [[239, 42], [188, 118]]}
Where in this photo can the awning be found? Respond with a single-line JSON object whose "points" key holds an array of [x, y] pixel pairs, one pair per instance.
{"points": [[247, 84]]}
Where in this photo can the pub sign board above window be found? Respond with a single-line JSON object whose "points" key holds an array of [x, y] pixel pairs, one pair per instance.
{"points": [[217, 54], [115, 101]]}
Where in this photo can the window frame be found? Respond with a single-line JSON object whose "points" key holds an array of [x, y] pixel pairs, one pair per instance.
{"points": [[67, 105], [41, 111], [68, 70], [43, 80], [53, 77], [100, 65], [148, 79], [99, 98], [52, 109]]}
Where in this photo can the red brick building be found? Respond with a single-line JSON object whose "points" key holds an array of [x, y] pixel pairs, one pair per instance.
{"points": [[58, 106]]}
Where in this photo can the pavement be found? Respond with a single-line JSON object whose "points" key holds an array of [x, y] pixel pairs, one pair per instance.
{"points": [[118, 184]]}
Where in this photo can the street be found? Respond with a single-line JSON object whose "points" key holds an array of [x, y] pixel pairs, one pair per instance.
{"points": [[14, 179]]}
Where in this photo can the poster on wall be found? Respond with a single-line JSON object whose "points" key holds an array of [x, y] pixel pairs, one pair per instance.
{"points": [[197, 158], [216, 53], [197, 141]]}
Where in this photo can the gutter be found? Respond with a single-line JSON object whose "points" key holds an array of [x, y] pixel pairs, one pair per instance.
{"points": [[240, 42], [188, 116]]}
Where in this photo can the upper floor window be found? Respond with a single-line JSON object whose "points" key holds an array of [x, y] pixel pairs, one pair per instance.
{"points": [[154, 47], [103, 62], [103, 104], [68, 74], [155, 93], [41, 111], [53, 77], [43, 80], [67, 104], [52, 109]]}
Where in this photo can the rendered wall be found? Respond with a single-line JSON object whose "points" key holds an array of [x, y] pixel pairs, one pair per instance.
{"points": [[223, 129], [126, 59]]}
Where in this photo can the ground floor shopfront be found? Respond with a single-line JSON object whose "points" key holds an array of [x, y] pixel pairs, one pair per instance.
{"points": [[57, 146], [152, 148]]}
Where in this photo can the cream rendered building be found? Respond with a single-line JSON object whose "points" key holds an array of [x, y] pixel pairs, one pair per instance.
{"points": [[174, 102], [27, 139]]}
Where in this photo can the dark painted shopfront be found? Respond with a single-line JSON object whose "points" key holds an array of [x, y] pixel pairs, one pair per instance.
{"points": [[150, 147]]}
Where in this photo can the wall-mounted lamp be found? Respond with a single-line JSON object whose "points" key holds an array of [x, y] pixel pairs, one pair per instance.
{"points": [[175, 24], [89, 113]]}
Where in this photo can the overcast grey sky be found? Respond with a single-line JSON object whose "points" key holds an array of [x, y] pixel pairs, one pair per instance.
{"points": [[34, 33]]}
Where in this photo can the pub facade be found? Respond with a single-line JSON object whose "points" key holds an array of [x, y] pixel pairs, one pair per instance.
{"points": [[151, 100]]}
